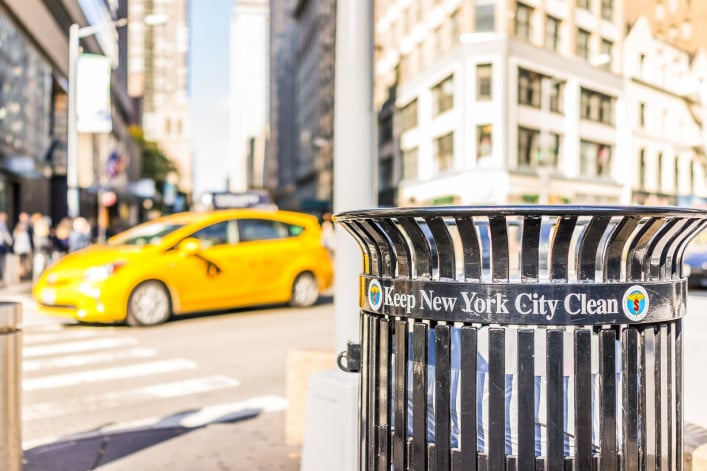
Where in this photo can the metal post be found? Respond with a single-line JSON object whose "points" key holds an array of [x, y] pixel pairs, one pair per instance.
{"points": [[72, 164], [10, 386]]}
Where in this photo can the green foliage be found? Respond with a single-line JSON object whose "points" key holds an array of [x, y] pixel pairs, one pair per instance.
{"points": [[155, 164]]}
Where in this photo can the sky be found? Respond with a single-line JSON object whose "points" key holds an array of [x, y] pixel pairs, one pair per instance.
{"points": [[208, 87]]}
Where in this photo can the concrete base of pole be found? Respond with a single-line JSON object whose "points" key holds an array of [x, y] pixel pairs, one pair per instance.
{"points": [[330, 440]]}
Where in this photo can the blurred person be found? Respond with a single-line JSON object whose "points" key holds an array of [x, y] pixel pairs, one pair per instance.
{"points": [[60, 244], [22, 244], [5, 242], [80, 235], [328, 236], [42, 243]]}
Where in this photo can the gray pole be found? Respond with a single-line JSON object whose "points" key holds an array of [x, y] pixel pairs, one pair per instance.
{"points": [[10, 386], [72, 164], [331, 430]]}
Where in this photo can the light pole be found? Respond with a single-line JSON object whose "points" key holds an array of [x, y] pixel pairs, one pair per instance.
{"points": [[76, 33]]}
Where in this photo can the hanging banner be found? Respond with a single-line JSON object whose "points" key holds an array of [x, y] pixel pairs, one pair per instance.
{"points": [[93, 108]]}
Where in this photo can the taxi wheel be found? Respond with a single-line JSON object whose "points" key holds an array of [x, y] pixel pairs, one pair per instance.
{"points": [[305, 291], [149, 304]]}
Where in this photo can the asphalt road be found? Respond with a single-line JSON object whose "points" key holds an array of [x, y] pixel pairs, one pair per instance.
{"points": [[194, 371]]}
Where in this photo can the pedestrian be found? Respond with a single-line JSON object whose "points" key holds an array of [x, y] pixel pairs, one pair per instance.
{"points": [[80, 235], [42, 243], [22, 245], [328, 236], [5, 243]]}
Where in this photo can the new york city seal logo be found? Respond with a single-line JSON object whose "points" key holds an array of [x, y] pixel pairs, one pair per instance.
{"points": [[375, 294], [635, 303]]}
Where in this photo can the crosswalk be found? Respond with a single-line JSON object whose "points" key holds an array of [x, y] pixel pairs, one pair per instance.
{"points": [[78, 372]]}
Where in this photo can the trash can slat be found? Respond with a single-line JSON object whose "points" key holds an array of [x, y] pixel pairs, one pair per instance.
{"points": [[372, 392], [630, 339], [421, 254], [559, 266], [373, 251], [382, 398], [401, 391], [678, 393], [648, 422], [526, 401], [661, 371], [639, 247], [583, 398], [403, 262], [470, 247], [469, 401], [364, 388], [554, 399], [613, 255], [373, 230], [496, 440], [530, 248], [418, 458], [588, 247], [672, 229], [442, 394], [499, 248], [445, 248], [675, 254], [607, 376]]}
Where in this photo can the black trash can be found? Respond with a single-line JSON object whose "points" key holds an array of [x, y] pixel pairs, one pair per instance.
{"points": [[521, 337]]}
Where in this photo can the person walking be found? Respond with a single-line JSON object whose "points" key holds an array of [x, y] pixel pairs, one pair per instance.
{"points": [[22, 245], [5, 243]]}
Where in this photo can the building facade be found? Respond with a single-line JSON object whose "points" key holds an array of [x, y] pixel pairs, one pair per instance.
{"points": [[158, 79], [503, 102], [680, 23]]}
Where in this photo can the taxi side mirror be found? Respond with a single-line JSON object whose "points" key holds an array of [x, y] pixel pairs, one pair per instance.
{"points": [[190, 246]]}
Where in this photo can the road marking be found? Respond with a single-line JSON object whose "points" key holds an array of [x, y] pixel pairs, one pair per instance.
{"points": [[106, 374], [53, 335], [45, 410], [75, 347], [70, 361]]}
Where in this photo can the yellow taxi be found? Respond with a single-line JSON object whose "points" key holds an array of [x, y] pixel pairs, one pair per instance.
{"points": [[191, 262]]}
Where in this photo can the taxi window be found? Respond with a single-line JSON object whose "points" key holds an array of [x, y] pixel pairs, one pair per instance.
{"points": [[216, 234], [264, 229]]}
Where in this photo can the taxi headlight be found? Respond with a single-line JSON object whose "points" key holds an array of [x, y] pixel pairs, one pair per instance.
{"points": [[102, 272]]}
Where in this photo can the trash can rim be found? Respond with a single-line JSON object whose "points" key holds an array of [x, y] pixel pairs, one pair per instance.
{"points": [[522, 210], [10, 315]]}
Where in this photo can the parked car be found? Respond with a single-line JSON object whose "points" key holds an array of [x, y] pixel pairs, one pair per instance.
{"points": [[191, 262], [696, 266]]}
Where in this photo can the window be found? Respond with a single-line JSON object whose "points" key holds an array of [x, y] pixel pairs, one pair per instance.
{"points": [[528, 146], [522, 26], [607, 49], [552, 33], [659, 172], [642, 65], [485, 15], [642, 114], [607, 9], [596, 106], [595, 159], [410, 163], [385, 130], [264, 229], [385, 174], [692, 177], [642, 169], [484, 76], [408, 115], [583, 43], [216, 234], [444, 152], [454, 26], [583, 4], [676, 175], [557, 94], [443, 96], [529, 86], [484, 144]]}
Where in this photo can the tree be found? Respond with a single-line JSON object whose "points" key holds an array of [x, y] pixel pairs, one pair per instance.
{"points": [[155, 164]]}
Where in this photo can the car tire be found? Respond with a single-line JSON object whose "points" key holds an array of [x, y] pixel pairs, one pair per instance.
{"points": [[305, 291], [149, 304]]}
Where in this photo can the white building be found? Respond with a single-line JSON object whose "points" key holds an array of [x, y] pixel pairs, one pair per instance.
{"points": [[249, 63], [665, 94], [513, 109]]}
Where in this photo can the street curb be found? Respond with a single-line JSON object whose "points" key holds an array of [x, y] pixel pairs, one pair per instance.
{"points": [[694, 447]]}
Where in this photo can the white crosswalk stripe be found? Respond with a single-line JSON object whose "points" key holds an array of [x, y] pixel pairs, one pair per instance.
{"points": [[66, 360]]}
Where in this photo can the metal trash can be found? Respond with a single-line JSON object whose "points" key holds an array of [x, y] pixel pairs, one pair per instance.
{"points": [[521, 337]]}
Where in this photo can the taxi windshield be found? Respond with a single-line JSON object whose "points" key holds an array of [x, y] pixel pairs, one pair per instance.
{"points": [[151, 233]]}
